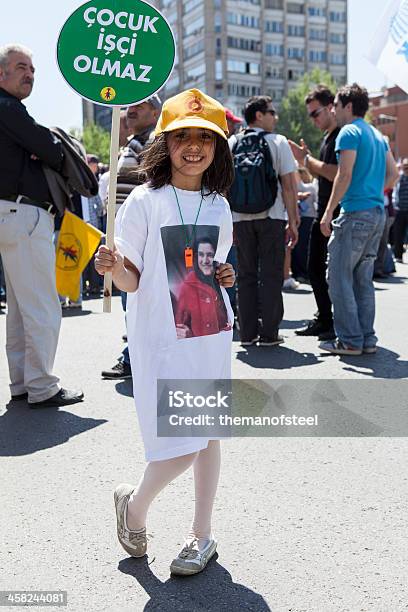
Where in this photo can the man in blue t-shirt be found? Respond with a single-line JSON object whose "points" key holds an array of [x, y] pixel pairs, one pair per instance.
{"points": [[366, 167]]}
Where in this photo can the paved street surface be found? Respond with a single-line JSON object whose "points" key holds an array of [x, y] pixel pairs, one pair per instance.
{"points": [[304, 524]]}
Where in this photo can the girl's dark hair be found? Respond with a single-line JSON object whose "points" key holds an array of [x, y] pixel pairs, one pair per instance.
{"points": [[155, 167]]}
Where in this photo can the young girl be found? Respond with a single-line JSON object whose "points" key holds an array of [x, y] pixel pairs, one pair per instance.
{"points": [[188, 168]]}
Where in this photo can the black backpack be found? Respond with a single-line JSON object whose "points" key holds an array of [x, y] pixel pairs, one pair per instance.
{"points": [[255, 185]]}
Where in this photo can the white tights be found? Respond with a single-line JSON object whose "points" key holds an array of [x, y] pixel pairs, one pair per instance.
{"points": [[158, 474]]}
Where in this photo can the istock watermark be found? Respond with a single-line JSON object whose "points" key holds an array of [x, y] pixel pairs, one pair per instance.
{"points": [[335, 408]]}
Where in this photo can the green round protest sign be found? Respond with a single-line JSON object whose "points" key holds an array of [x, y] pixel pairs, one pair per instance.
{"points": [[116, 52]]}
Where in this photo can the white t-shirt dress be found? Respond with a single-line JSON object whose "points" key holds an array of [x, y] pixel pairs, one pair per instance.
{"points": [[164, 342]]}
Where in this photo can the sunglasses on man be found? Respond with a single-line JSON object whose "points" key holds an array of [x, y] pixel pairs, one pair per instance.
{"points": [[316, 112], [271, 111]]}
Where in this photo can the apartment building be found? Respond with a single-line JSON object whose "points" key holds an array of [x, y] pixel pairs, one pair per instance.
{"points": [[236, 48], [233, 49]]}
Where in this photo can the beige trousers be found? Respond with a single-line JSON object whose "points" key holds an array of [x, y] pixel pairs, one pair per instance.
{"points": [[34, 311]]}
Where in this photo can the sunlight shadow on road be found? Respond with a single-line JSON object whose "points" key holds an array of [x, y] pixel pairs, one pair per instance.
{"points": [[383, 364], [125, 387], [24, 430], [212, 591], [276, 357]]}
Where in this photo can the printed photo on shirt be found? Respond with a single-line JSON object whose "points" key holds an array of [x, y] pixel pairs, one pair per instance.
{"points": [[197, 302]]}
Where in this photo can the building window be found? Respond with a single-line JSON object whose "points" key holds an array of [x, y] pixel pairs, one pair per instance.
{"points": [[243, 67], [272, 49], [318, 56], [274, 4], [217, 22], [190, 5], [274, 26], [296, 30], [218, 47], [317, 11], [296, 53], [337, 38], [275, 94], [338, 59], [218, 70], [243, 43], [194, 27], [193, 74], [315, 34], [293, 74], [249, 21], [337, 17], [294, 7], [274, 72], [243, 91], [193, 49]]}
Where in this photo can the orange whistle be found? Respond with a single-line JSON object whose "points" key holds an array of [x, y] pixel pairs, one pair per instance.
{"points": [[188, 257]]}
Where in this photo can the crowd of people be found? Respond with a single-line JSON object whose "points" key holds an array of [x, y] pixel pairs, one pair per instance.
{"points": [[204, 199], [281, 234], [267, 258]]}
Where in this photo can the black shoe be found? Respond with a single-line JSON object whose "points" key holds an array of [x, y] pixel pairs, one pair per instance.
{"points": [[266, 341], [313, 328], [64, 397], [379, 276], [120, 370], [124, 337], [20, 397], [329, 334]]}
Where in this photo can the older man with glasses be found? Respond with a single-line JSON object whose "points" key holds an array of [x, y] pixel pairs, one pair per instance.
{"points": [[319, 104]]}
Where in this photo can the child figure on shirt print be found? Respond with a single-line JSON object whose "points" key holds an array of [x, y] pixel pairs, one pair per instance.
{"points": [[197, 301]]}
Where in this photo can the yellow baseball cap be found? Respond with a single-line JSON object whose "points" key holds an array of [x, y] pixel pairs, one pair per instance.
{"points": [[192, 109]]}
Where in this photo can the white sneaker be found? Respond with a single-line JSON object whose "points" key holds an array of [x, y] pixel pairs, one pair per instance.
{"points": [[193, 558], [290, 284], [134, 542]]}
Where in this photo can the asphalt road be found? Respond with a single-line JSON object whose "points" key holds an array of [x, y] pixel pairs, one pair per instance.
{"points": [[303, 524]]}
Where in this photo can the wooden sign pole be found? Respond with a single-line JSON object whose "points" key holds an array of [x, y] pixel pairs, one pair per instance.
{"points": [[110, 227]]}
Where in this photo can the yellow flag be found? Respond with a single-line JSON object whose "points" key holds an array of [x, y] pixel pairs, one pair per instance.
{"points": [[77, 243]]}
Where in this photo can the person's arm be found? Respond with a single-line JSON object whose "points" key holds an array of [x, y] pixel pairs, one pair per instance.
{"points": [[34, 138], [124, 274], [340, 186], [315, 166], [289, 196], [391, 171]]}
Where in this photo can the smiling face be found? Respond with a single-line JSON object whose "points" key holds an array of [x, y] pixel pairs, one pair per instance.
{"points": [[205, 258], [191, 152], [17, 75]]}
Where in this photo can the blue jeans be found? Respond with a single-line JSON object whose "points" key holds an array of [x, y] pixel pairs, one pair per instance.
{"points": [[352, 251]]}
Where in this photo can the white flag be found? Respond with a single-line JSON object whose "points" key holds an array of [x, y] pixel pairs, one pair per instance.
{"points": [[389, 48]]}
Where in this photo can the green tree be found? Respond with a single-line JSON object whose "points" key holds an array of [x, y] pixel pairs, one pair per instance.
{"points": [[294, 122], [95, 139]]}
